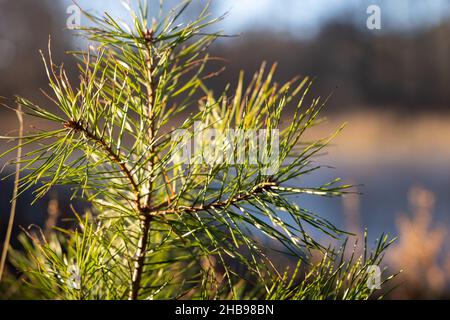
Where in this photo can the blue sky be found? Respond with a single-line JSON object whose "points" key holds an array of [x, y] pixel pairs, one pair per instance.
{"points": [[303, 18]]}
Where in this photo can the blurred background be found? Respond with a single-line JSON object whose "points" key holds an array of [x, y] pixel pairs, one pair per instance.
{"points": [[390, 85]]}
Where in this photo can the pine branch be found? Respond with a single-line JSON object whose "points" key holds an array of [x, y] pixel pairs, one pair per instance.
{"points": [[145, 220], [139, 257], [258, 189], [146, 236], [114, 157]]}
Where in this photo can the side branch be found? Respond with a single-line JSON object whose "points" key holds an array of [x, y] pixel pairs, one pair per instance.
{"points": [[219, 204], [115, 157]]}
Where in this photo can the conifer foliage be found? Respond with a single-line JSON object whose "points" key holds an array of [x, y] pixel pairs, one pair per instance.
{"points": [[159, 229]]}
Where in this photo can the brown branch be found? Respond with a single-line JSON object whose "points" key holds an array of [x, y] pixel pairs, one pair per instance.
{"points": [[138, 268], [219, 204], [114, 157], [140, 257], [151, 92]]}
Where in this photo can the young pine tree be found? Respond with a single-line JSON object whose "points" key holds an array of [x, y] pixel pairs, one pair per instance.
{"points": [[159, 228]]}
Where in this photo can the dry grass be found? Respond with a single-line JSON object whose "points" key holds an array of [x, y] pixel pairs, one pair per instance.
{"points": [[419, 250], [14, 197], [384, 139]]}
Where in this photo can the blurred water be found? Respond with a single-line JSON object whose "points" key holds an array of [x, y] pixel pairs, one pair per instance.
{"points": [[384, 196]]}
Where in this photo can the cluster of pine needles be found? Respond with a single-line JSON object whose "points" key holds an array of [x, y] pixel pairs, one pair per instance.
{"points": [[161, 230]]}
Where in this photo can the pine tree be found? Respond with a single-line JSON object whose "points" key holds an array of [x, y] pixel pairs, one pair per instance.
{"points": [[160, 228]]}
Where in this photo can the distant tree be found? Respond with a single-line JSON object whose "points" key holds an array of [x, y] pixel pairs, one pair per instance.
{"points": [[24, 28]]}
